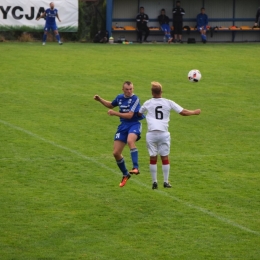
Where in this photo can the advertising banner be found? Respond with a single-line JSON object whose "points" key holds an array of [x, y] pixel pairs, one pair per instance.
{"points": [[21, 15]]}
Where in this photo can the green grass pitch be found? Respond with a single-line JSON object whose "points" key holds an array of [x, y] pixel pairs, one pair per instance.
{"points": [[59, 184]]}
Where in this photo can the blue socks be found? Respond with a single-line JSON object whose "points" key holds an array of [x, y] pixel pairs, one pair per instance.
{"points": [[122, 167], [44, 38], [121, 162], [134, 155], [58, 37]]}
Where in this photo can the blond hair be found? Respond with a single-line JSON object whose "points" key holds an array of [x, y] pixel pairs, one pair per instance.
{"points": [[156, 88]]}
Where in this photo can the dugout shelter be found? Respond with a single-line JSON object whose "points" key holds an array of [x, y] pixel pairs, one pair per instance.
{"points": [[229, 20]]}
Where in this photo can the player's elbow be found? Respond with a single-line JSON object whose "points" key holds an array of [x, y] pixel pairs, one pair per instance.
{"points": [[108, 105], [185, 112], [129, 115]]}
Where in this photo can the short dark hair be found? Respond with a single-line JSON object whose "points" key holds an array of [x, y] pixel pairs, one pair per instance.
{"points": [[141, 7], [202, 8], [163, 10], [127, 83], [178, 2]]}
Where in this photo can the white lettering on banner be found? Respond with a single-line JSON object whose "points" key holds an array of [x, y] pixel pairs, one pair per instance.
{"points": [[15, 15]]}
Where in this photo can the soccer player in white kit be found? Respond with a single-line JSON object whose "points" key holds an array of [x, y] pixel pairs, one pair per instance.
{"points": [[158, 138]]}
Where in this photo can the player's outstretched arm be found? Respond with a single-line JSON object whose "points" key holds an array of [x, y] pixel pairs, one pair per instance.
{"points": [[58, 17], [128, 115], [186, 112], [103, 101], [41, 16]]}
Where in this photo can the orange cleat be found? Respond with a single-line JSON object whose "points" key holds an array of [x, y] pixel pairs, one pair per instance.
{"points": [[124, 180], [134, 171]]}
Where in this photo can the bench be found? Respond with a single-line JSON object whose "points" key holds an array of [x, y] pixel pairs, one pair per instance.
{"points": [[156, 31]]}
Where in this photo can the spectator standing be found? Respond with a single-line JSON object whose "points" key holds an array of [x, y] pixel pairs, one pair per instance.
{"points": [[141, 23], [202, 22], [178, 13], [257, 17]]}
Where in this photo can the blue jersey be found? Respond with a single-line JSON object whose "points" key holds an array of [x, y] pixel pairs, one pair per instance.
{"points": [[128, 104], [202, 20], [51, 15]]}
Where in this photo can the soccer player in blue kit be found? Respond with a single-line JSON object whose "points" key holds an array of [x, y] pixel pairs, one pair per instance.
{"points": [[50, 14], [202, 22], [129, 130]]}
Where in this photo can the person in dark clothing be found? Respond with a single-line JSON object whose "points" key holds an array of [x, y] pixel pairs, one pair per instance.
{"points": [[164, 20], [178, 13], [257, 17], [141, 23]]}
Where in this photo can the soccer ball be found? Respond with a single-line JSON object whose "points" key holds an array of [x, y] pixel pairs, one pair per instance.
{"points": [[194, 76]]}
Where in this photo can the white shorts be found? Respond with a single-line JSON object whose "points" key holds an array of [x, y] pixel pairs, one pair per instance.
{"points": [[158, 142]]}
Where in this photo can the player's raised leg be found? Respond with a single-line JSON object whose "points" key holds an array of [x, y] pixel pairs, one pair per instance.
{"points": [[117, 152], [131, 139]]}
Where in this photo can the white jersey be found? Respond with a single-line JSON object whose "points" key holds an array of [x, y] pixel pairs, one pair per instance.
{"points": [[158, 113]]}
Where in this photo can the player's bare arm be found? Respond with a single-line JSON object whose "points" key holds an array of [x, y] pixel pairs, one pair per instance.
{"points": [[103, 101], [186, 112], [127, 115], [41, 16], [58, 17]]}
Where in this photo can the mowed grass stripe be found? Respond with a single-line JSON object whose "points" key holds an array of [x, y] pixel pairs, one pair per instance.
{"points": [[74, 208], [205, 211]]}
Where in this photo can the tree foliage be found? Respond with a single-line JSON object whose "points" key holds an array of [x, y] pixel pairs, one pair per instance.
{"points": [[92, 18]]}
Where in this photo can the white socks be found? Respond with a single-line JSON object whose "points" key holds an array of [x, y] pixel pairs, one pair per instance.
{"points": [[153, 170], [166, 171]]}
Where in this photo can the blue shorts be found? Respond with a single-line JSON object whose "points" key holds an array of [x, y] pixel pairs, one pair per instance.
{"points": [[49, 27], [124, 130], [202, 28], [166, 28]]}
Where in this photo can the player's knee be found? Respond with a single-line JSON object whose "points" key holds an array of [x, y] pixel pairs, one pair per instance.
{"points": [[131, 144], [116, 154]]}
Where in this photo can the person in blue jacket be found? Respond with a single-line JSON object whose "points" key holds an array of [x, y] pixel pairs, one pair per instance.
{"points": [[202, 22]]}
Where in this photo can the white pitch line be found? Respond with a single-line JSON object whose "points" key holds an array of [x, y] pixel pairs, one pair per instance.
{"points": [[203, 210]]}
